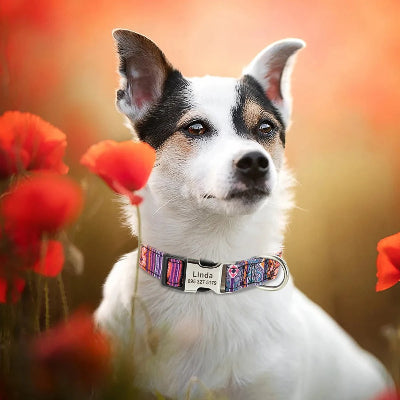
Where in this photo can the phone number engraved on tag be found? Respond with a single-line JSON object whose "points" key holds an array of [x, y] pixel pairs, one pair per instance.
{"points": [[201, 281], [198, 277]]}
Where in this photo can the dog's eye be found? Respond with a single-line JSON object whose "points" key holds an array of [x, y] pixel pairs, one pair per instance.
{"points": [[266, 127], [196, 128]]}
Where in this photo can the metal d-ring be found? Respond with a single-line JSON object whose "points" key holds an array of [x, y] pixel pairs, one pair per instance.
{"points": [[285, 279]]}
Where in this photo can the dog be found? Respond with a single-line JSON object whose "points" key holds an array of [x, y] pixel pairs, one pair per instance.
{"points": [[220, 191]]}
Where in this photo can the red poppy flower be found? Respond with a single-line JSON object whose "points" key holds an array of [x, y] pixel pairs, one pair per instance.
{"points": [[388, 262], [388, 395], [44, 203], [15, 264], [51, 264], [124, 166], [73, 352], [29, 143]]}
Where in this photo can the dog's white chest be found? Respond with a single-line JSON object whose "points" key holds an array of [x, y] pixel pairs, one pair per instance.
{"points": [[257, 344]]}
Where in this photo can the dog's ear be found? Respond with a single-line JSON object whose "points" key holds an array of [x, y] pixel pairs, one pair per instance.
{"points": [[272, 68], [143, 69]]}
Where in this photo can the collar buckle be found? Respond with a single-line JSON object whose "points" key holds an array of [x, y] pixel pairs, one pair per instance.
{"points": [[180, 285]]}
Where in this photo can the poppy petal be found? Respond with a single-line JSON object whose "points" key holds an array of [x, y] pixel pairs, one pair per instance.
{"points": [[390, 245], [133, 198], [388, 395], [44, 203], [128, 163], [12, 162], [388, 262], [75, 349], [27, 142], [52, 263]]}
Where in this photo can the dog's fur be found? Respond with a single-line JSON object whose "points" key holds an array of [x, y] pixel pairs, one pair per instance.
{"points": [[247, 345]]}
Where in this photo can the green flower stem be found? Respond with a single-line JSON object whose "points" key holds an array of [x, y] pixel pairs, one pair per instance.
{"points": [[38, 302], [63, 296], [30, 286], [46, 304], [43, 251], [149, 325], [5, 339], [135, 290], [392, 335]]}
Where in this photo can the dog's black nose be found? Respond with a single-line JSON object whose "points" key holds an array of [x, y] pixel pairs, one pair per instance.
{"points": [[253, 165]]}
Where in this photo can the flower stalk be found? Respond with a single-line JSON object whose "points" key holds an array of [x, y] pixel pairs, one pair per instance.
{"points": [[63, 296], [46, 305], [135, 290]]}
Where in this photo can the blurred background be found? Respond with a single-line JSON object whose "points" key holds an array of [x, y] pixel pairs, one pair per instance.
{"points": [[57, 60]]}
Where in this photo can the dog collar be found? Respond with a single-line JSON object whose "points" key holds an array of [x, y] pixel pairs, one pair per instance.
{"points": [[191, 275]]}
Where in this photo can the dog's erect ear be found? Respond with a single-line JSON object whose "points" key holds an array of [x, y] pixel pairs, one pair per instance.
{"points": [[143, 68], [272, 68]]}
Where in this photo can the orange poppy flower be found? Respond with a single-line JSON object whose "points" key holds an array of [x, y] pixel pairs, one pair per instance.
{"points": [[73, 352], [29, 143], [388, 262], [124, 166], [44, 203]]}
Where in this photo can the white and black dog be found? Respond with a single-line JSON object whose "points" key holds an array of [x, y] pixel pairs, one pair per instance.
{"points": [[220, 191]]}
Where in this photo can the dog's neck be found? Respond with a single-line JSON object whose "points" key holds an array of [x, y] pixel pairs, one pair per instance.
{"points": [[183, 231]]}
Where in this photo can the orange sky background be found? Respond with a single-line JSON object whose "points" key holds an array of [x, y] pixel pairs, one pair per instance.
{"points": [[57, 60], [58, 57]]}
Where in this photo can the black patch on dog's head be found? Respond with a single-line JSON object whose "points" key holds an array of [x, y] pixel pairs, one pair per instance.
{"points": [[250, 90], [160, 122]]}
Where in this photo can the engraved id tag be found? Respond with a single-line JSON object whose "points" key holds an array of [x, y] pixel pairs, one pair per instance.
{"points": [[203, 277]]}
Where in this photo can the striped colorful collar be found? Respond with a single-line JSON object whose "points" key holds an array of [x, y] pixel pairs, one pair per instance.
{"points": [[191, 275]]}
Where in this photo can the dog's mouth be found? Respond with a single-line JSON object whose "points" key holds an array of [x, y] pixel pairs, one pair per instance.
{"points": [[250, 194]]}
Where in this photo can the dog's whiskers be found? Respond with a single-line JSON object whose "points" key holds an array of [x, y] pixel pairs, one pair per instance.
{"points": [[163, 205]]}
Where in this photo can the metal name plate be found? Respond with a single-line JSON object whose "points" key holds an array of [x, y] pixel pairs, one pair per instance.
{"points": [[198, 276]]}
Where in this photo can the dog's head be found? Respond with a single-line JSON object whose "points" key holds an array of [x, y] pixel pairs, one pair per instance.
{"points": [[219, 141]]}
